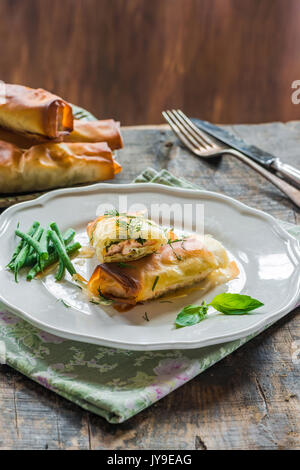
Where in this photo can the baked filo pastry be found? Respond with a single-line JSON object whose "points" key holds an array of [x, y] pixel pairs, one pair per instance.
{"points": [[106, 130], [84, 131], [21, 140], [124, 237], [34, 111], [54, 165], [177, 265]]}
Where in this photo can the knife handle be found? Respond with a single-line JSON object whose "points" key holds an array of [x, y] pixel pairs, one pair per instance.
{"points": [[289, 190], [287, 171]]}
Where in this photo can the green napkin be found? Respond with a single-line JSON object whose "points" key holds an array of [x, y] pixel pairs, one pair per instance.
{"points": [[113, 383]]}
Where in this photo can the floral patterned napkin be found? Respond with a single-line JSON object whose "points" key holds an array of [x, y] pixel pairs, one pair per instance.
{"points": [[113, 383]]}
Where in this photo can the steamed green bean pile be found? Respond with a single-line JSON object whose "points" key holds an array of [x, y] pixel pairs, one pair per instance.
{"points": [[39, 248]]}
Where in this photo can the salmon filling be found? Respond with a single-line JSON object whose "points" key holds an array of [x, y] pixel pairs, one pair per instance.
{"points": [[127, 246]]}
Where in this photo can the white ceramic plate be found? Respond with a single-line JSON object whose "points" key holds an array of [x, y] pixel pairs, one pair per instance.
{"points": [[268, 258]]}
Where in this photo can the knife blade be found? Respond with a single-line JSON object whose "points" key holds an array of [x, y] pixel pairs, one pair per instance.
{"points": [[260, 156]]}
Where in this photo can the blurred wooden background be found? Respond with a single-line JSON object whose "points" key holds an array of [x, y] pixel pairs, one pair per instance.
{"points": [[221, 60]]}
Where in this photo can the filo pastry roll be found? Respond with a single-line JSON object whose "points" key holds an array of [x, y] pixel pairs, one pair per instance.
{"points": [[84, 131], [21, 140], [177, 265], [106, 130], [124, 237], [54, 165], [34, 111]]}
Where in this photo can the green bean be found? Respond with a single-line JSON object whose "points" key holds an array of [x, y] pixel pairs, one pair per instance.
{"points": [[62, 253], [20, 260], [55, 228], [31, 241], [22, 256], [20, 245], [67, 238], [53, 258], [37, 236], [44, 244], [61, 269]]}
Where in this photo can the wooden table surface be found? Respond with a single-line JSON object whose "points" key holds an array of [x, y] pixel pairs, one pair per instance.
{"points": [[249, 400], [184, 47]]}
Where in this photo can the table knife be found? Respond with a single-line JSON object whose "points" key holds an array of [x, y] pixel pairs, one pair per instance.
{"points": [[265, 159]]}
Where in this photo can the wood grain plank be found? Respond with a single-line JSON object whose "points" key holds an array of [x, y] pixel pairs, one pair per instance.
{"points": [[31, 418], [221, 60]]}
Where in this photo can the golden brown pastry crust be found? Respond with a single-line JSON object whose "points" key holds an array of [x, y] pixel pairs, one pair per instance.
{"points": [[54, 165], [106, 130], [84, 131], [24, 141], [35, 111], [172, 267]]}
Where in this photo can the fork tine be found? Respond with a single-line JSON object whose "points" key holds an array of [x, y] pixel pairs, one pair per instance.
{"points": [[194, 128], [201, 142], [185, 131], [179, 134], [182, 130]]}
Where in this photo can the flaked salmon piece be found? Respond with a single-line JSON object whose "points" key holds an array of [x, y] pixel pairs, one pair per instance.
{"points": [[126, 246]]}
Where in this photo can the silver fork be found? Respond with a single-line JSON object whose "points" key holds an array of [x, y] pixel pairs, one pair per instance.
{"points": [[202, 145]]}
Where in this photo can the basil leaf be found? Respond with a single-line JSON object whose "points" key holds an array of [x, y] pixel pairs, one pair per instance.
{"points": [[191, 315], [235, 304]]}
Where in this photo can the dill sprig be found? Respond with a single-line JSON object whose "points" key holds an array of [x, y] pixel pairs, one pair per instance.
{"points": [[155, 282], [145, 316]]}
